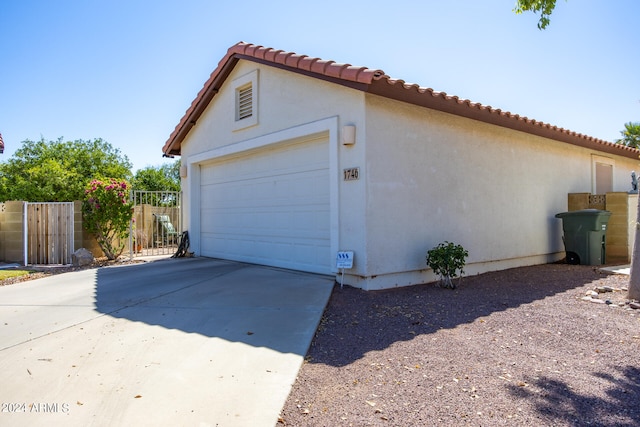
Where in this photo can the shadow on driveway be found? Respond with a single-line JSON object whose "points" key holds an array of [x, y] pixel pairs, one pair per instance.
{"points": [[172, 342], [255, 305]]}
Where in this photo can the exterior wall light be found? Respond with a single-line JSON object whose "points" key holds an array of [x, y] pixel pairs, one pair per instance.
{"points": [[348, 135]]}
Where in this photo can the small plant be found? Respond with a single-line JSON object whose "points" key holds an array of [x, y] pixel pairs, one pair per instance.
{"points": [[140, 239], [446, 260]]}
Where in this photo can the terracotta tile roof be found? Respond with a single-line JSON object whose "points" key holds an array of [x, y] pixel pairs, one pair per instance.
{"points": [[375, 82]]}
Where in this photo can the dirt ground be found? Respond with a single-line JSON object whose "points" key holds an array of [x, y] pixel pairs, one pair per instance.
{"points": [[526, 346], [521, 347]]}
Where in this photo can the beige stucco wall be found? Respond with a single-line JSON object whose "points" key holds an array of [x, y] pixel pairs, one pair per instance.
{"points": [[433, 177], [11, 231], [632, 216], [425, 177], [617, 240]]}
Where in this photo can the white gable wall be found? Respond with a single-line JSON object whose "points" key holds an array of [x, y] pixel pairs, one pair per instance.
{"points": [[290, 107], [433, 176]]}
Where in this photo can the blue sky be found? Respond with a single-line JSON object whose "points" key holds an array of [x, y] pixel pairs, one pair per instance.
{"points": [[127, 70]]}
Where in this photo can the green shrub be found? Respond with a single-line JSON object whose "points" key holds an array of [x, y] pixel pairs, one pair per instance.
{"points": [[107, 213], [447, 260]]}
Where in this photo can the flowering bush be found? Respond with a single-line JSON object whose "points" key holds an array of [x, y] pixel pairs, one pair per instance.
{"points": [[107, 213]]}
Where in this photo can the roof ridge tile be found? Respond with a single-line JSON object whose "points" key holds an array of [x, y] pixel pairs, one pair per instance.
{"points": [[272, 54], [321, 66], [296, 58], [351, 72], [306, 63]]}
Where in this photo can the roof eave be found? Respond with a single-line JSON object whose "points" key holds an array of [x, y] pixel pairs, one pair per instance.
{"points": [[199, 104], [374, 82], [440, 101]]}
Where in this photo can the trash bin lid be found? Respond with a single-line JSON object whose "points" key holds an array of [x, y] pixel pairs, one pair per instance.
{"points": [[584, 212]]}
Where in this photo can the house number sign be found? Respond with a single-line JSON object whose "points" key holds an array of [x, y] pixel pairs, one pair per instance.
{"points": [[351, 174]]}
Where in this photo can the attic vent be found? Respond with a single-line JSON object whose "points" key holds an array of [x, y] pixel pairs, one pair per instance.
{"points": [[244, 102]]}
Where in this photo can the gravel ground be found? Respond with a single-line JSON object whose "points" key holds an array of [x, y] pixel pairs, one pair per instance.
{"points": [[517, 347]]}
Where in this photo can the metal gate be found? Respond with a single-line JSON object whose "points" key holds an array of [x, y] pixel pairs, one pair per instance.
{"points": [[49, 233], [156, 224]]}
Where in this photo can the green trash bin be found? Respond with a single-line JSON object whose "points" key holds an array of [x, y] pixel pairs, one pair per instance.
{"points": [[585, 235]]}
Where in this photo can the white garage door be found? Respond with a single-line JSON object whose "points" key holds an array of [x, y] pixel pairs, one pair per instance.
{"points": [[269, 206]]}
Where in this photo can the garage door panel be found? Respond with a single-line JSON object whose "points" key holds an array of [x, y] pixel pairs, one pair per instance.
{"points": [[291, 225], [301, 158], [266, 193], [283, 253], [269, 207]]}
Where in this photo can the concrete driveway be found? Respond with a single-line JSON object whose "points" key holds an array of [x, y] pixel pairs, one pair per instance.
{"points": [[189, 342]]}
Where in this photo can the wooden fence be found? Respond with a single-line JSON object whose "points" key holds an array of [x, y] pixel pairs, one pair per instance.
{"points": [[48, 233], [49, 229]]}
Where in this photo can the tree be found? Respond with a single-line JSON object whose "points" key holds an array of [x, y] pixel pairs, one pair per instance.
{"points": [[57, 171], [630, 135], [634, 277], [631, 138], [544, 7], [158, 178], [162, 181]]}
